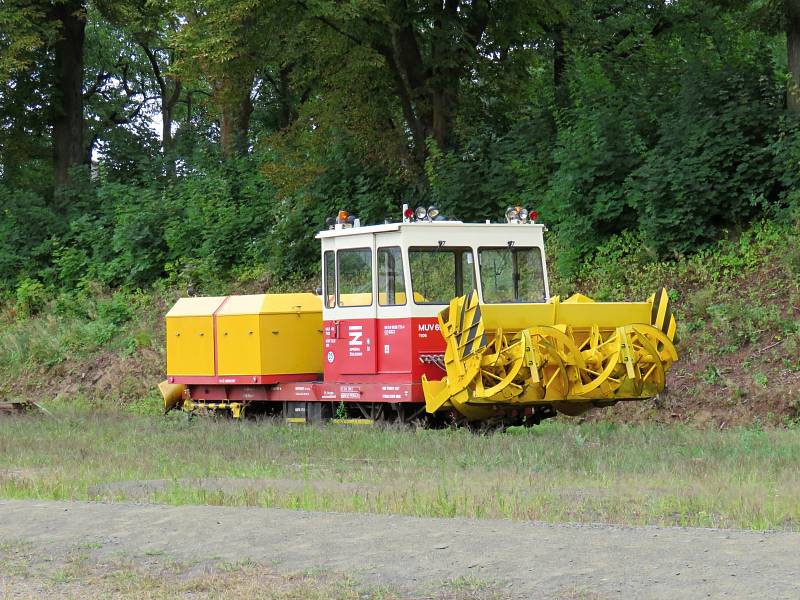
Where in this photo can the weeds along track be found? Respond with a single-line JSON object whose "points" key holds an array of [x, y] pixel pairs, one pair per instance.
{"points": [[595, 472]]}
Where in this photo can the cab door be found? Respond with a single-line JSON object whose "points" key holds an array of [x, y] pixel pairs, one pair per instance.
{"points": [[353, 327]]}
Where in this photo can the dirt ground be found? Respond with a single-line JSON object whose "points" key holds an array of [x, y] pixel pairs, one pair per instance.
{"points": [[415, 556]]}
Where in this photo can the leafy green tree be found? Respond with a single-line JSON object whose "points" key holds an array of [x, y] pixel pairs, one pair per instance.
{"points": [[253, 120], [774, 17], [24, 29], [222, 43], [151, 26], [58, 27], [430, 49]]}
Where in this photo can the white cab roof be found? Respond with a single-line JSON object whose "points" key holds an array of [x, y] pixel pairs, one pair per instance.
{"points": [[424, 225]]}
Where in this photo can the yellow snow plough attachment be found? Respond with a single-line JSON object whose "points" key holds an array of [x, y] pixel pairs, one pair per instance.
{"points": [[571, 355], [172, 394]]}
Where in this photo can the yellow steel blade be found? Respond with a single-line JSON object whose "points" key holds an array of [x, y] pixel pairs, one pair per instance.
{"points": [[172, 394]]}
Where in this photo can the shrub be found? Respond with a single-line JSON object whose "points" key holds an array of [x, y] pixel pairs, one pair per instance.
{"points": [[26, 221], [31, 297], [115, 311]]}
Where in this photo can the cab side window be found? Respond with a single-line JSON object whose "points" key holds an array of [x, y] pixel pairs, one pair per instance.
{"points": [[329, 279], [391, 283], [355, 277]]}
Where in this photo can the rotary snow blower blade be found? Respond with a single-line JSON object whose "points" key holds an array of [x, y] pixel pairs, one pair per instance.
{"points": [[571, 355]]}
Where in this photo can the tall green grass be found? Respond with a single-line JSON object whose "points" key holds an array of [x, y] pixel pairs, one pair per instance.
{"points": [[674, 475], [78, 339]]}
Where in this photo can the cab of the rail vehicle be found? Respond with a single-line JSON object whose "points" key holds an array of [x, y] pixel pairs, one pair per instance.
{"points": [[384, 285]]}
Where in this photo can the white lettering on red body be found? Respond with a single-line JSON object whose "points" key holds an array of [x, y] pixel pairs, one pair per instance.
{"points": [[393, 328]]}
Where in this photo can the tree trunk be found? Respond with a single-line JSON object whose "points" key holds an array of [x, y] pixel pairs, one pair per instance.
{"points": [[415, 125], [442, 101], [170, 93], [793, 55], [286, 112], [68, 146], [168, 103], [443, 83], [167, 143], [427, 71], [236, 107]]}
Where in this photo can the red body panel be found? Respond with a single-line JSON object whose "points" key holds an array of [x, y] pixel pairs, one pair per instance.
{"points": [[394, 350], [310, 392], [349, 347], [366, 360], [344, 392], [427, 342]]}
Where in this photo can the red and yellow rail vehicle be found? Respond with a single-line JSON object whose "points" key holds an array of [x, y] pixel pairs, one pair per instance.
{"points": [[424, 317]]}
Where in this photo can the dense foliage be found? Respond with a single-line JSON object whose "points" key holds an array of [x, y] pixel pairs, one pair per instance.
{"points": [[210, 139]]}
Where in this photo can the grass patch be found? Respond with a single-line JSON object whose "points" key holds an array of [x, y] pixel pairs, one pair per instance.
{"points": [[647, 474], [30, 571], [77, 575], [93, 345], [473, 587]]}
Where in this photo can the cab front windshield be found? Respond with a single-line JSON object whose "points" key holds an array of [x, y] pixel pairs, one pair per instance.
{"points": [[511, 275], [439, 274]]}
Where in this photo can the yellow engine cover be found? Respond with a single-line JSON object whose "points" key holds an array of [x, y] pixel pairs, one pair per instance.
{"points": [[270, 334], [259, 334], [190, 336]]}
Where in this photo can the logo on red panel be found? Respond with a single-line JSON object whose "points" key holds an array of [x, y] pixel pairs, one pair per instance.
{"points": [[355, 332], [356, 341]]}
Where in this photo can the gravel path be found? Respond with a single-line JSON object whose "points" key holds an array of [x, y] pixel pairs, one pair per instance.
{"points": [[527, 560]]}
